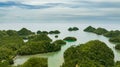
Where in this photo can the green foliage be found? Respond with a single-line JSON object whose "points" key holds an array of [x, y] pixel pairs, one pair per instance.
{"points": [[6, 54], [100, 31], [73, 29], [12, 33], [33, 48], [112, 33], [117, 64], [24, 32], [89, 63], [117, 46], [54, 32], [70, 39], [91, 54], [38, 47], [36, 62], [42, 32], [115, 39], [3, 34], [59, 42], [5, 64], [89, 29], [40, 37], [12, 42], [56, 36]]}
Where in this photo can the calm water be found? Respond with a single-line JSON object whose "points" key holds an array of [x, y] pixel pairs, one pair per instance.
{"points": [[55, 59]]}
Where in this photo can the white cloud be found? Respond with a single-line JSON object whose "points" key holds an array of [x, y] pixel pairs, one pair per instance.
{"points": [[61, 13]]}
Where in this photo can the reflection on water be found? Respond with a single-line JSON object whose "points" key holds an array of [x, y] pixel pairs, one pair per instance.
{"points": [[55, 59]]}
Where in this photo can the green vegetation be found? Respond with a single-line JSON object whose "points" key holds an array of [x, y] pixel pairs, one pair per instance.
{"points": [[38, 47], [56, 36], [10, 42], [117, 46], [73, 29], [59, 42], [54, 32], [6, 54], [51, 32], [40, 37], [112, 33], [70, 39], [5, 64], [117, 64], [89, 29], [3, 34], [115, 39], [36, 62], [114, 36], [91, 54], [40, 44], [25, 32], [100, 31], [42, 32], [11, 33]]}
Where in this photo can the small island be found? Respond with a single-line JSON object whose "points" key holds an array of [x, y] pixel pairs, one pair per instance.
{"points": [[73, 29], [42, 32], [89, 29], [70, 39], [115, 39], [56, 36], [60, 42], [100, 31], [54, 32]]}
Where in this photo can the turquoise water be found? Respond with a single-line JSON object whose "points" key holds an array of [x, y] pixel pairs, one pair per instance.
{"points": [[55, 59]]}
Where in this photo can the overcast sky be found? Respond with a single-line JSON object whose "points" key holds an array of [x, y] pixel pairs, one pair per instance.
{"points": [[60, 11]]}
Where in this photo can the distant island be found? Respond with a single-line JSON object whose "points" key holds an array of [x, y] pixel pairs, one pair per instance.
{"points": [[113, 35]]}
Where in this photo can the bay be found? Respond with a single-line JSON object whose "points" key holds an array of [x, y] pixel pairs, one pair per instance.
{"points": [[55, 59]]}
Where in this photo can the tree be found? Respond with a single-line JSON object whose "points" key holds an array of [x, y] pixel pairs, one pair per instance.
{"points": [[117, 46], [59, 42], [24, 32], [36, 62], [73, 29], [40, 37], [70, 39], [93, 54], [89, 29], [100, 31]]}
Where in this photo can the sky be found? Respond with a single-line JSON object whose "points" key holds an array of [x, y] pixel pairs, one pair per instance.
{"points": [[90, 11]]}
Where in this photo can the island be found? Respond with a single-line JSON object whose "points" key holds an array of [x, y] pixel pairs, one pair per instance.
{"points": [[113, 35], [54, 32], [89, 29], [73, 29], [70, 39], [91, 54]]}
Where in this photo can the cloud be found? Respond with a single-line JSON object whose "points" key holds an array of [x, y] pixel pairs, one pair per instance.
{"points": [[21, 5], [59, 10]]}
